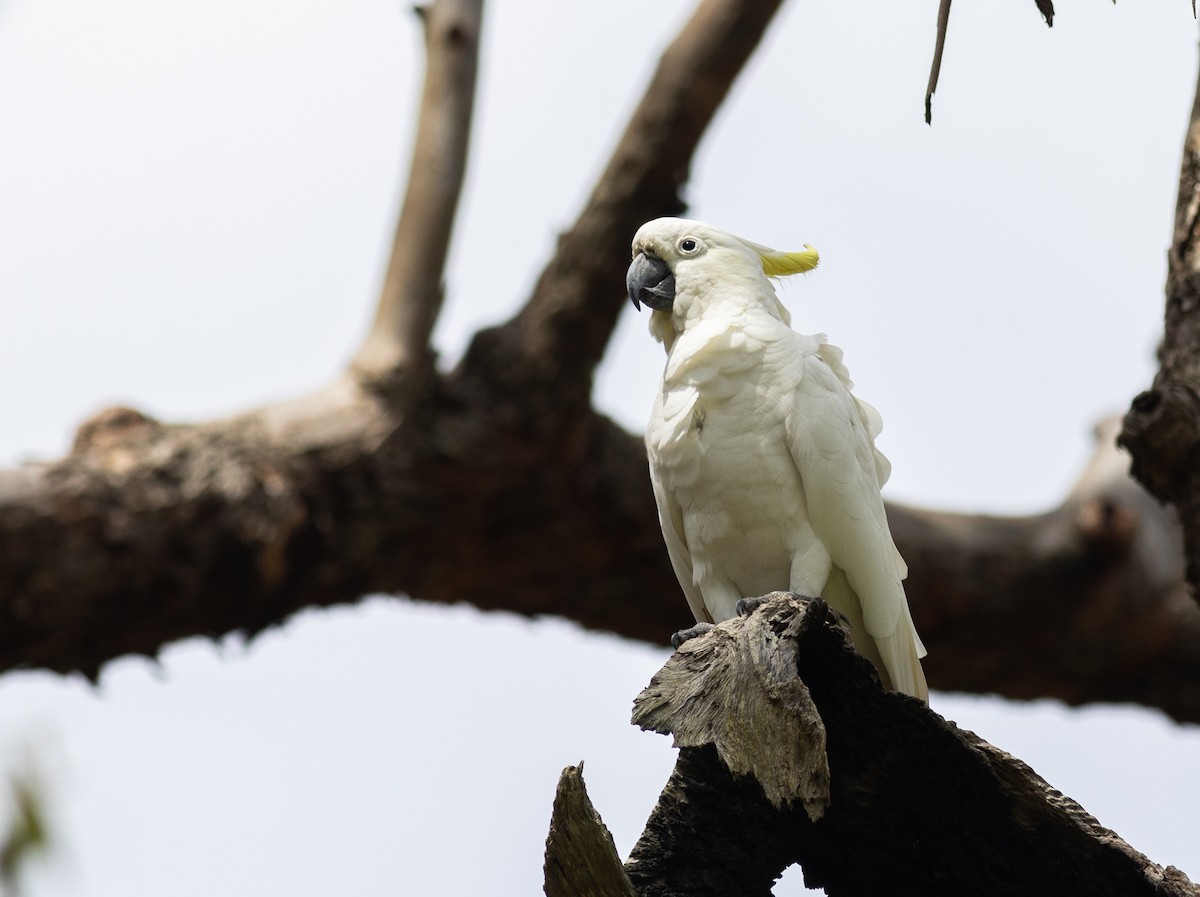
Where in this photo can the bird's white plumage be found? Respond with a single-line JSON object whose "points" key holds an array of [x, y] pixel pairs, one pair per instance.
{"points": [[763, 462]]}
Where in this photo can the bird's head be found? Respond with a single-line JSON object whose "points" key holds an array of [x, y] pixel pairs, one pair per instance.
{"points": [[674, 254]]}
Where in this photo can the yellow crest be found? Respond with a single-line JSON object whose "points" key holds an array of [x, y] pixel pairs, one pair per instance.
{"points": [[781, 264]]}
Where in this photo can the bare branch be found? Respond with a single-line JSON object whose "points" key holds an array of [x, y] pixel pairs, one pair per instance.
{"points": [[935, 69], [1045, 7], [1162, 427], [560, 335], [398, 342]]}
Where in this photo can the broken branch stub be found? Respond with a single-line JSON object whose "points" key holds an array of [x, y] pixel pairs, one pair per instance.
{"points": [[737, 688], [581, 858]]}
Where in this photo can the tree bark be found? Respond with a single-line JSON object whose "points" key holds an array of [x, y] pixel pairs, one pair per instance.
{"points": [[581, 858], [1162, 426], [909, 804]]}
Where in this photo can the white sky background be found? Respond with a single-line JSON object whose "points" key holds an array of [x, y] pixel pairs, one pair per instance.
{"points": [[195, 208]]}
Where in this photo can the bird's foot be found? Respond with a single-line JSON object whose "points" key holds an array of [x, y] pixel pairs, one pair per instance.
{"points": [[746, 606], [684, 634]]}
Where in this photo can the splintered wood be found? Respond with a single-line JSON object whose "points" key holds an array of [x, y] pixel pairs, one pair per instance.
{"points": [[738, 689]]}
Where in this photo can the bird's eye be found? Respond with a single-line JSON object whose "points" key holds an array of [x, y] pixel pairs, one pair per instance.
{"points": [[687, 245]]}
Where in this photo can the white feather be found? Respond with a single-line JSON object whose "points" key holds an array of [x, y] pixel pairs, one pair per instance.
{"points": [[763, 462]]}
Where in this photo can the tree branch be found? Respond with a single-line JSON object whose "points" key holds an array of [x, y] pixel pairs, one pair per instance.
{"points": [[149, 533], [913, 805], [1045, 7], [1162, 427], [935, 69], [397, 344], [558, 338], [526, 500]]}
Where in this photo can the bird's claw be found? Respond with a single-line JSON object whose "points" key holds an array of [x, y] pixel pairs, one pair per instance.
{"points": [[684, 635], [746, 606]]}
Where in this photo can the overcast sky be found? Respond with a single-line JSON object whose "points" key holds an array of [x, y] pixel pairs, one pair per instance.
{"points": [[195, 207]]}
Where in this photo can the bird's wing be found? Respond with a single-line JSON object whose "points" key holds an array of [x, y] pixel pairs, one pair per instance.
{"points": [[832, 439], [671, 519], [830, 435], [662, 438]]}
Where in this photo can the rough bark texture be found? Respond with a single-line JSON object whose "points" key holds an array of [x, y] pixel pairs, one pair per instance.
{"points": [[149, 533], [916, 806], [1162, 427], [581, 858], [737, 690]]}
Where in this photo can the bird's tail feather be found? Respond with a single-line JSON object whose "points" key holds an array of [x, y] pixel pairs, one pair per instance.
{"points": [[899, 653], [897, 657]]}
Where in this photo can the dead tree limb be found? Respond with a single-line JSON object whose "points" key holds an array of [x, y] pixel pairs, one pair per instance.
{"points": [[939, 47], [912, 804], [1162, 427], [1045, 7], [560, 335]]}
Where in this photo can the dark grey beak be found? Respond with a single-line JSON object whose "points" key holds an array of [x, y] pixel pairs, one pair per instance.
{"points": [[650, 281]]}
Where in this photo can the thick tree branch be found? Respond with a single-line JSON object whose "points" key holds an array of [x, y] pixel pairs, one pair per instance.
{"points": [[560, 335], [1082, 601], [397, 344], [150, 533], [1162, 427]]}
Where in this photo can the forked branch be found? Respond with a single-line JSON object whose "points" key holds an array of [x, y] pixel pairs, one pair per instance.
{"points": [[561, 333]]}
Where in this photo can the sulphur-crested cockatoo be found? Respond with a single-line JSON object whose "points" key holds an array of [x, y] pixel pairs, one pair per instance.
{"points": [[763, 463]]}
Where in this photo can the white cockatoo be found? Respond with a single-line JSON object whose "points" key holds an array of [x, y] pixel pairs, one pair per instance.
{"points": [[763, 463]]}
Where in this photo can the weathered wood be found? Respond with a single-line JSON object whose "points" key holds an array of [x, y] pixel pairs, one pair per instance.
{"points": [[581, 858], [916, 806], [737, 689], [1162, 426]]}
